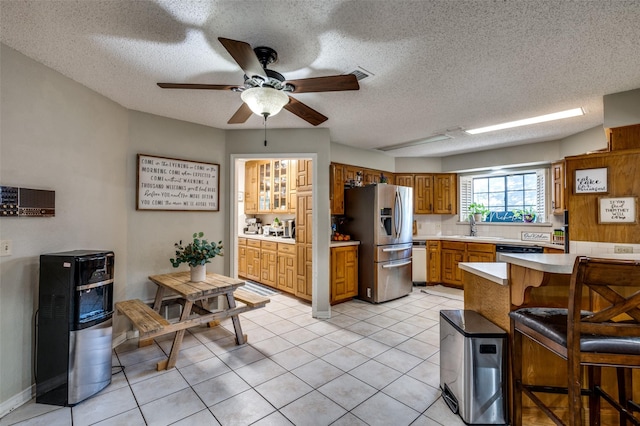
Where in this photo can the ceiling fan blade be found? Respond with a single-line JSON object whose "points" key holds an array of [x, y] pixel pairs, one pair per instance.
{"points": [[335, 83], [244, 55], [305, 112], [196, 86], [242, 114]]}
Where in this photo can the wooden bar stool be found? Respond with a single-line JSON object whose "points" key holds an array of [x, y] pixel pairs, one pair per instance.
{"points": [[607, 335]]}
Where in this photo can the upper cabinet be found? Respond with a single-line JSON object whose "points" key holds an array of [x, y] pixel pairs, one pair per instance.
{"points": [[336, 188], [304, 176], [433, 193], [445, 193], [557, 176], [251, 187], [268, 186]]}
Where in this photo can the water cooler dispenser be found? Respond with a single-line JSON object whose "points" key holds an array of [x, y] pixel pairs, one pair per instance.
{"points": [[74, 326], [472, 367]]}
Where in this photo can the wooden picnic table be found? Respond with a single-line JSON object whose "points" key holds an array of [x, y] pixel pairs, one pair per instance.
{"points": [[194, 296]]}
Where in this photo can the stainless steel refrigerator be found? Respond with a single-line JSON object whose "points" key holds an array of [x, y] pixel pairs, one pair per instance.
{"points": [[381, 217]]}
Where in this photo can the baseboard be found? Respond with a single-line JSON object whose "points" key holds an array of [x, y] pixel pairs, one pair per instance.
{"points": [[322, 315], [17, 400]]}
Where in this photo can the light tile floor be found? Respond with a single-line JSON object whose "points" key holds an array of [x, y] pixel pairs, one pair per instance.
{"points": [[367, 365]]}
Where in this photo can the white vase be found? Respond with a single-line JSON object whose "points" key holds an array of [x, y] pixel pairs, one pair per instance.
{"points": [[198, 273]]}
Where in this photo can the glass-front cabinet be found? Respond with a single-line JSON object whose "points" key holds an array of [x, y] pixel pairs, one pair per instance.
{"points": [[273, 186], [280, 185], [264, 186]]}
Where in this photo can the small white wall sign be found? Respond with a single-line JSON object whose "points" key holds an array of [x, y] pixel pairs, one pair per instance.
{"points": [[617, 210], [590, 181], [535, 236]]}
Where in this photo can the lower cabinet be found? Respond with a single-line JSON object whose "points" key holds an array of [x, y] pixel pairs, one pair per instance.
{"points": [[433, 262], [242, 257], [253, 260], [344, 273], [268, 263], [286, 268], [454, 252]]}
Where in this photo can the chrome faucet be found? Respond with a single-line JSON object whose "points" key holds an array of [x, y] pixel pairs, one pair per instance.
{"points": [[472, 225]]}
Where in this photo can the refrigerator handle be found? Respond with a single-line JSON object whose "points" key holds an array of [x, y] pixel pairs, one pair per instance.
{"points": [[397, 212], [397, 265]]}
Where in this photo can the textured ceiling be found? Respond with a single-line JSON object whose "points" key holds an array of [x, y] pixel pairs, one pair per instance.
{"points": [[438, 66]]}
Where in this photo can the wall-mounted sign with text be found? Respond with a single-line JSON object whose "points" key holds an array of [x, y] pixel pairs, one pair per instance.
{"points": [[535, 236], [172, 184], [617, 210], [590, 181]]}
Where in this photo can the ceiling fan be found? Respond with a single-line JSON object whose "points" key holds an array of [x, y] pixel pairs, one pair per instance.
{"points": [[265, 91]]}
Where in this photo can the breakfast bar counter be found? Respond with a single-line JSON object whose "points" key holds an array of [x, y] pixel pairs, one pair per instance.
{"points": [[496, 288]]}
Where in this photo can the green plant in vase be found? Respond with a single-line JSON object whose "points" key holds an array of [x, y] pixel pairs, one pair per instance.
{"points": [[196, 254], [528, 214], [479, 211]]}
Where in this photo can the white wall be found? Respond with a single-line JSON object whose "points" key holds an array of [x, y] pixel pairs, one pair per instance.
{"points": [[57, 135], [369, 158], [622, 109], [418, 165], [151, 234]]}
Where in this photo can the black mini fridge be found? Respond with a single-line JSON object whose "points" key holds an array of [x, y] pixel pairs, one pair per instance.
{"points": [[74, 326]]}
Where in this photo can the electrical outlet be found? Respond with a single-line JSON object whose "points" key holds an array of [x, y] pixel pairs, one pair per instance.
{"points": [[622, 249], [6, 248]]}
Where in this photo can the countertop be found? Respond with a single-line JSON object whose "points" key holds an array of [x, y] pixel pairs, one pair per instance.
{"points": [[293, 240], [550, 263], [344, 243], [485, 239], [268, 238]]}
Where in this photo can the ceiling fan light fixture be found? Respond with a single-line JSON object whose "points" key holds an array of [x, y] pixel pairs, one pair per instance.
{"points": [[264, 101]]}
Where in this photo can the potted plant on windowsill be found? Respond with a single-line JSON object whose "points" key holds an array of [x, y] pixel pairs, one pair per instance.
{"points": [[527, 214], [479, 211], [196, 254]]}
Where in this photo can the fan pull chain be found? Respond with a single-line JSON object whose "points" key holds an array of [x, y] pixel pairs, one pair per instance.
{"points": [[265, 129]]}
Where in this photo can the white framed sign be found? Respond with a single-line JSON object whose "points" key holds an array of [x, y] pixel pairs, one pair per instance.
{"points": [[617, 210], [177, 185], [589, 181], [535, 236]]}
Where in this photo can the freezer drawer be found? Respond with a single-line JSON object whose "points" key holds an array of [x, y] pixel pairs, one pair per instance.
{"points": [[393, 252], [393, 280], [472, 367]]}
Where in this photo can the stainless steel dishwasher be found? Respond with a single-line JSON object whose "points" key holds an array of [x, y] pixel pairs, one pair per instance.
{"points": [[419, 264]]}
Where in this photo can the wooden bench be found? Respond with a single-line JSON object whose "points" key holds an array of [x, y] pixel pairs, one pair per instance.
{"points": [[151, 324]]}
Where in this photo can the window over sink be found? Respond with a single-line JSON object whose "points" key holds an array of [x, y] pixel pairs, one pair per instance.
{"points": [[504, 193]]}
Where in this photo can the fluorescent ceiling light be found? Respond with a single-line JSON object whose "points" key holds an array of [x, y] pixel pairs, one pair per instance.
{"points": [[435, 138], [533, 120]]}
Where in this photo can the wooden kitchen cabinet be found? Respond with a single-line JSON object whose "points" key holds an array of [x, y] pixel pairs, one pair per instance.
{"points": [[433, 262], [253, 260], [404, 180], [344, 273], [264, 186], [452, 253], [268, 263], [481, 252], [445, 193], [286, 280], [336, 188], [423, 193], [251, 187], [435, 193], [304, 247], [304, 173], [558, 180], [242, 257]]}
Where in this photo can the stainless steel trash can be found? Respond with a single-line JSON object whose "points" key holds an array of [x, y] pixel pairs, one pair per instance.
{"points": [[472, 367]]}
